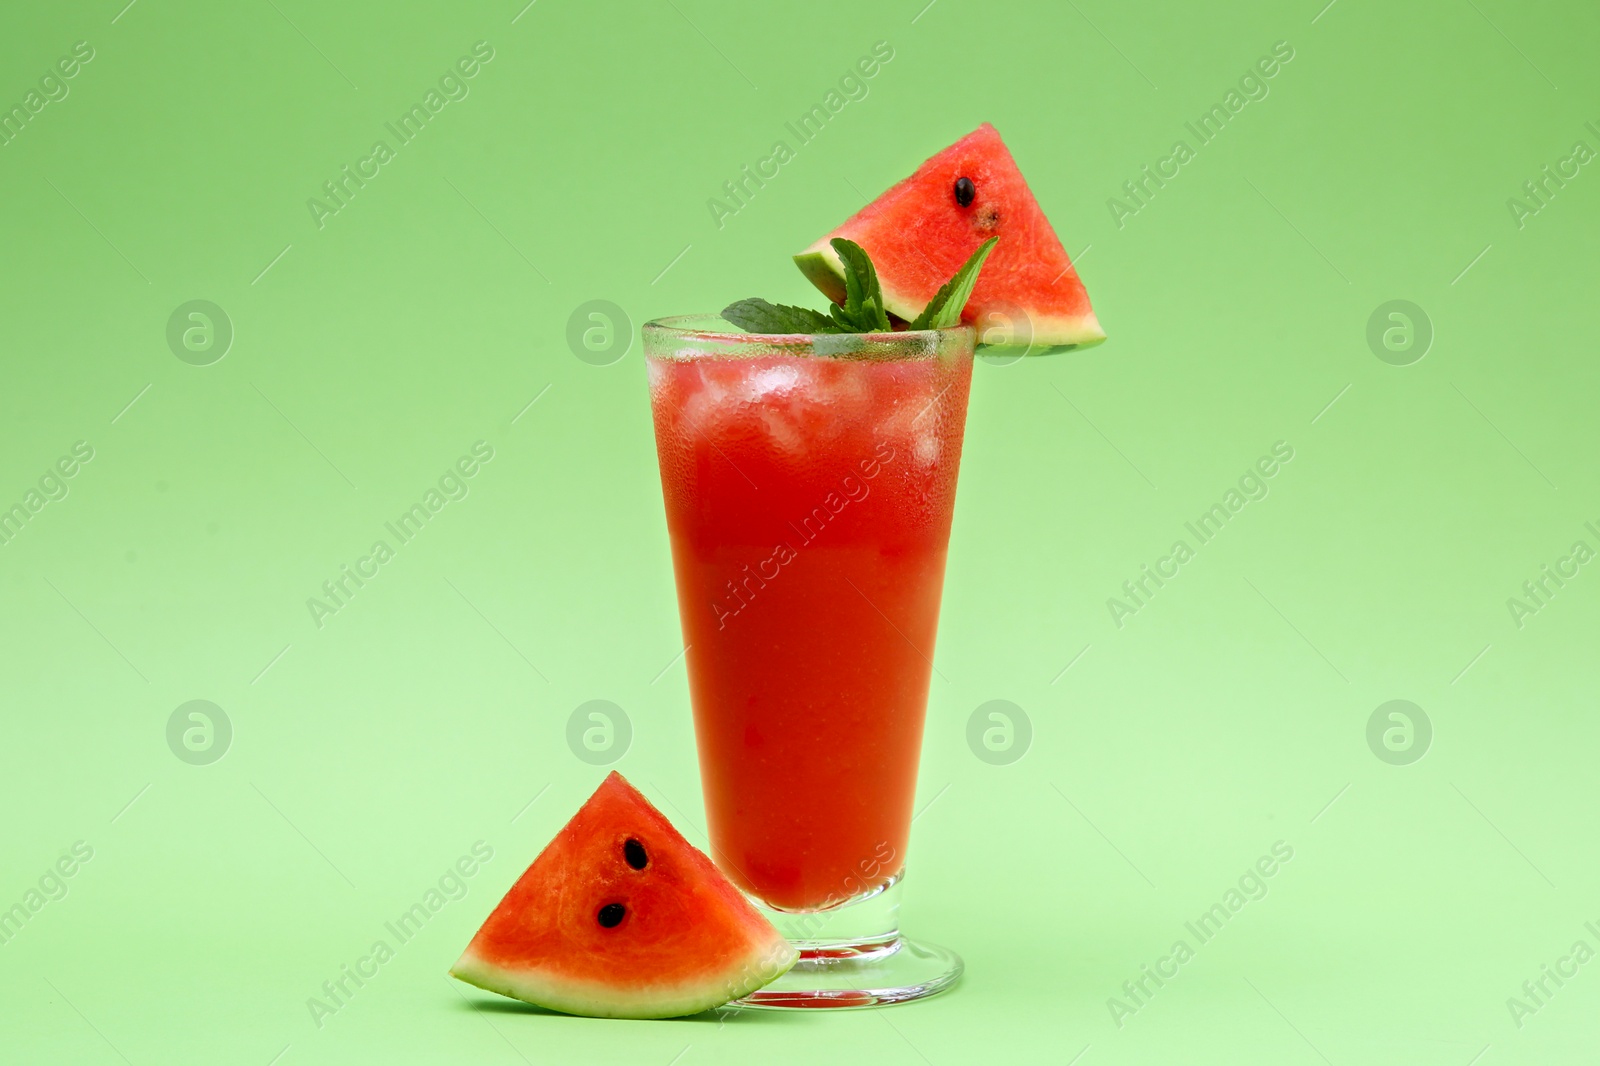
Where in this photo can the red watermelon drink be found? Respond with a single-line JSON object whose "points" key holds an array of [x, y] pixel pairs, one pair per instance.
{"points": [[809, 463], [809, 500], [809, 485]]}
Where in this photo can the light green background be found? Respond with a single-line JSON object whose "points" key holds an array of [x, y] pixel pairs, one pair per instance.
{"points": [[368, 355]]}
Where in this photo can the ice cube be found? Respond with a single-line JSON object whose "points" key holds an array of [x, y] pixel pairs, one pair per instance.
{"points": [[770, 381], [783, 433]]}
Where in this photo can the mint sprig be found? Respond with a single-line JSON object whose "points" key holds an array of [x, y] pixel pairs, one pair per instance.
{"points": [[863, 310]]}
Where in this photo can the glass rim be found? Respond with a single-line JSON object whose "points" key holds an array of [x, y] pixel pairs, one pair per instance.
{"points": [[692, 328]]}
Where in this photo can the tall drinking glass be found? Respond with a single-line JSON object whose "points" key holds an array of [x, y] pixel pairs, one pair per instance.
{"points": [[809, 484]]}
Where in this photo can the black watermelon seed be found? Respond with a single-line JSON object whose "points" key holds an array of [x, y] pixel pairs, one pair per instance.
{"points": [[965, 191], [611, 915], [633, 851]]}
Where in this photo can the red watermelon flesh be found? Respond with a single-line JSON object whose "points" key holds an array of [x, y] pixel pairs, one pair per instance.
{"points": [[620, 917], [919, 233]]}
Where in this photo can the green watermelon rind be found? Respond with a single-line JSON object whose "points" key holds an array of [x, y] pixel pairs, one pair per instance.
{"points": [[830, 281], [759, 968], [1051, 334]]}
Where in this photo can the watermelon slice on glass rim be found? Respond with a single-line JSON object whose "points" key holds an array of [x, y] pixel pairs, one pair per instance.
{"points": [[921, 230], [620, 917]]}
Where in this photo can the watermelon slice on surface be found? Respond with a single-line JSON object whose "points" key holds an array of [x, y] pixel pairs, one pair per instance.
{"points": [[620, 917], [921, 231]]}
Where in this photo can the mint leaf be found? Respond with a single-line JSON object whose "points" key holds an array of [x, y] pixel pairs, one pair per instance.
{"points": [[944, 310], [863, 305], [758, 316], [862, 320], [862, 310]]}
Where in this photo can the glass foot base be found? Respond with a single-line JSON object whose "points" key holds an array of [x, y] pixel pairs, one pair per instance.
{"points": [[863, 974], [854, 956]]}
